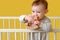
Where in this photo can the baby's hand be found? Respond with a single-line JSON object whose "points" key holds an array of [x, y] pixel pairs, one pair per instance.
{"points": [[37, 23], [29, 19], [28, 24]]}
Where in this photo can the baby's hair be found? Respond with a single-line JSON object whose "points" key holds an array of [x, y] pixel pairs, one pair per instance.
{"points": [[38, 2]]}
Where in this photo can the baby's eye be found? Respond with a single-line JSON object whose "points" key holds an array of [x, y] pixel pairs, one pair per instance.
{"points": [[33, 11], [38, 12]]}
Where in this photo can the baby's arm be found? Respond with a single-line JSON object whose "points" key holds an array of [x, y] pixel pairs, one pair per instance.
{"points": [[21, 18], [29, 26], [46, 26]]}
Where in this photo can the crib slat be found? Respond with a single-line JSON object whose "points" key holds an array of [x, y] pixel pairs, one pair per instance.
{"points": [[3, 23], [8, 23], [31, 35], [21, 32], [0, 35], [3, 27], [20, 25], [8, 37], [39, 35], [26, 35], [54, 35], [14, 23], [23, 36], [55, 28], [47, 36], [20, 36], [15, 35], [43, 36], [15, 27]]}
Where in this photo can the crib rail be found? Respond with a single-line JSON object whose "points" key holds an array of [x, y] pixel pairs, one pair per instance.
{"points": [[17, 17], [9, 17], [24, 30]]}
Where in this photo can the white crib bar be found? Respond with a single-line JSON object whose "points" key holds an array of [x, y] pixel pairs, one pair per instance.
{"points": [[55, 28], [54, 35], [26, 35], [23, 36], [14, 23], [3, 23], [31, 35], [3, 27], [47, 36], [15, 36], [20, 32], [0, 36], [39, 35], [15, 27], [8, 35], [8, 23]]}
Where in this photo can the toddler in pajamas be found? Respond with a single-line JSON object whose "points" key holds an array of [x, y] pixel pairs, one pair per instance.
{"points": [[38, 20]]}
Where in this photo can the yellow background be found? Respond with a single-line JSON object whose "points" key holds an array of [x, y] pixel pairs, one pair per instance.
{"points": [[19, 7]]}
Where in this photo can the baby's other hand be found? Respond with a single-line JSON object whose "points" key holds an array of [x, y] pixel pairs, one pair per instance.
{"points": [[36, 22]]}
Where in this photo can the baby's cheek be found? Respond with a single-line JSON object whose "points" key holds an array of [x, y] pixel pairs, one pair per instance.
{"points": [[41, 17], [32, 15]]}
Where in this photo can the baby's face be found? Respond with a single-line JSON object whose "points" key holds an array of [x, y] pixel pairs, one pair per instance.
{"points": [[38, 11]]}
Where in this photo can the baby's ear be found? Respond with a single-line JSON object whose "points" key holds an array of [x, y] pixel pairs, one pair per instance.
{"points": [[46, 11]]}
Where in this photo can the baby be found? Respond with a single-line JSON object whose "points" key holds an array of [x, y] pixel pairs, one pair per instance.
{"points": [[39, 20]]}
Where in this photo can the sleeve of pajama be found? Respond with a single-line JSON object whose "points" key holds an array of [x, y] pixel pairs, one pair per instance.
{"points": [[46, 26], [21, 18]]}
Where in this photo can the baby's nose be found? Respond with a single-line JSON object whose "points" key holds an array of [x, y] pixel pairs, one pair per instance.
{"points": [[36, 14], [35, 18]]}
